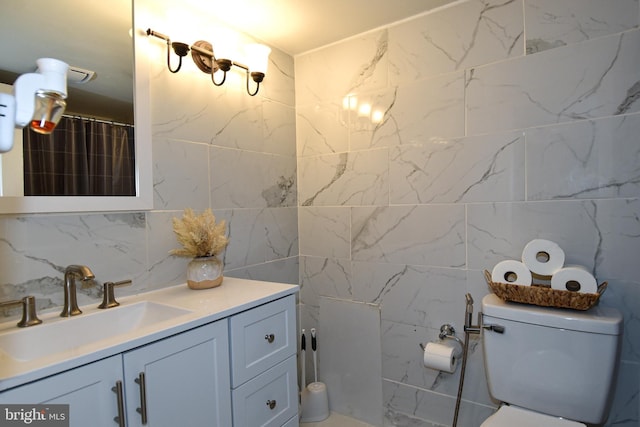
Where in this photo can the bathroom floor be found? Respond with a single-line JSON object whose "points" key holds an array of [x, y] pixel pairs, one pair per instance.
{"points": [[337, 420]]}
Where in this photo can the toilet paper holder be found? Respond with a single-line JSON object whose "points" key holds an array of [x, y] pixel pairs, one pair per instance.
{"points": [[447, 331]]}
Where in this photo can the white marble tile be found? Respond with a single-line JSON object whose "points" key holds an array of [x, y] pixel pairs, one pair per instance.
{"points": [[402, 355], [418, 235], [486, 168], [617, 225], [378, 126], [592, 79], [197, 98], [357, 64], [281, 233], [624, 295], [413, 295], [223, 116], [112, 245], [325, 231], [398, 419], [163, 268], [429, 407], [596, 234], [324, 277], [266, 180], [257, 236], [247, 242], [554, 23], [355, 178], [419, 111], [626, 406], [278, 84], [279, 129], [321, 129], [349, 358], [180, 175], [282, 270], [237, 122], [584, 160], [466, 34]]}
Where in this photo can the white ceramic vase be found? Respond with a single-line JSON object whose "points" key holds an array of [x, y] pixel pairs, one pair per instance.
{"points": [[204, 272]]}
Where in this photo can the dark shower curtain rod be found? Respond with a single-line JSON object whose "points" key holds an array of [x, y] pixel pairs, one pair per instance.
{"points": [[69, 116]]}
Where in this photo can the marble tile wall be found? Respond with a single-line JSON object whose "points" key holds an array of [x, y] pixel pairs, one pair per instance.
{"points": [[213, 147], [504, 121]]}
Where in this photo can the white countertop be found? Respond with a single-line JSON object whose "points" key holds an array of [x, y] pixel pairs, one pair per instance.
{"points": [[205, 306]]}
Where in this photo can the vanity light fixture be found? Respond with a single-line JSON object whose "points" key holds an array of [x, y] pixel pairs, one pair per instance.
{"points": [[38, 100], [205, 59]]}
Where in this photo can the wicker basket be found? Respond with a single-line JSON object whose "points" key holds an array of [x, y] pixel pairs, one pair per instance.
{"points": [[544, 296]]}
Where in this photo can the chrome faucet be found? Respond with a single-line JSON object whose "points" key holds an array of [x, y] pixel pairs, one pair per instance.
{"points": [[71, 273]]}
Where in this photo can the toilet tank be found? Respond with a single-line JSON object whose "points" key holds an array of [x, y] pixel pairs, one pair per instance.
{"points": [[559, 362]]}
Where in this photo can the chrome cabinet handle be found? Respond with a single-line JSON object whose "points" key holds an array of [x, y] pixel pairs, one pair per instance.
{"points": [[270, 338], [271, 404], [120, 396], [142, 410]]}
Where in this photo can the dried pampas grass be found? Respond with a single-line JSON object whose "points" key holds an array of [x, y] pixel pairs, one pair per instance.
{"points": [[199, 235]]}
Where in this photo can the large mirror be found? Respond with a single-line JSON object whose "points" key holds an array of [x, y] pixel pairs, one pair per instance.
{"points": [[93, 35]]}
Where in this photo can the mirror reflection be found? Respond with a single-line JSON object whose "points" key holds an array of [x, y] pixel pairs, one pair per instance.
{"points": [[92, 152]]}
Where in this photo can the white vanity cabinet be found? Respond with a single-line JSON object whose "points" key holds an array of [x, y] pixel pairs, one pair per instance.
{"points": [[229, 361], [263, 365], [181, 380]]}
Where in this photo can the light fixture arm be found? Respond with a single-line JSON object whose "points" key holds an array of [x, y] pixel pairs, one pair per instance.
{"points": [[255, 76], [180, 49]]}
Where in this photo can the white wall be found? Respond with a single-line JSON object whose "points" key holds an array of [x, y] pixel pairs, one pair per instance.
{"points": [[504, 121]]}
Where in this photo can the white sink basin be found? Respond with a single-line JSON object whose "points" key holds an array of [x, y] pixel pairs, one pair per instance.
{"points": [[64, 334]]}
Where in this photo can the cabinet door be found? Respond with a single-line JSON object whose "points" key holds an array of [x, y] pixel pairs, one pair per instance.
{"points": [[87, 390], [185, 380]]}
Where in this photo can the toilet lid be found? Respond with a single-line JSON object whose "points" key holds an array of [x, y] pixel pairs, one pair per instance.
{"points": [[509, 416]]}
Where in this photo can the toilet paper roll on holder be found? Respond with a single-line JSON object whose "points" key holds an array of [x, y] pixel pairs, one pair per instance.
{"points": [[447, 331]]}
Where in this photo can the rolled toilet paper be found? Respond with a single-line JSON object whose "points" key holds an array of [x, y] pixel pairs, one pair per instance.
{"points": [[441, 356], [511, 271], [543, 257], [574, 278]]}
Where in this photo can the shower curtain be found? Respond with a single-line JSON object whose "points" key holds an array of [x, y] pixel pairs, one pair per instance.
{"points": [[82, 157]]}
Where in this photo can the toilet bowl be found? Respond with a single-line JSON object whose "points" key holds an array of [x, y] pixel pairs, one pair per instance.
{"points": [[512, 416], [550, 366]]}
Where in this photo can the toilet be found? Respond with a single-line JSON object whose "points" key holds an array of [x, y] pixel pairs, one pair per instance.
{"points": [[550, 367]]}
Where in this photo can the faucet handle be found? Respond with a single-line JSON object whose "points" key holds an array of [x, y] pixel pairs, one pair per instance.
{"points": [[108, 296], [29, 316]]}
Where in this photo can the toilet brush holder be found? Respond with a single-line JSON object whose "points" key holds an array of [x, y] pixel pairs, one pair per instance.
{"points": [[315, 403]]}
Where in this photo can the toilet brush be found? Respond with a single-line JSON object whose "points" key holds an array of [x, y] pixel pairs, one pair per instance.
{"points": [[314, 345], [303, 354], [315, 399]]}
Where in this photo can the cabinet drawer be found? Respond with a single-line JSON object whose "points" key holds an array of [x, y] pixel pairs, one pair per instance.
{"points": [[268, 400], [261, 338], [293, 422]]}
